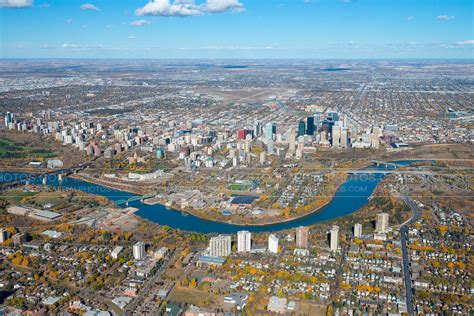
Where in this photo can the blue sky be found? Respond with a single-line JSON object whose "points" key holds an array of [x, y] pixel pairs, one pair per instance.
{"points": [[237, 29]]}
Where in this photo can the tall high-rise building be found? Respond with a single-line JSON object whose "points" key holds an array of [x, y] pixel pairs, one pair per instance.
{"points": [[220, 246], [270, 131], [139, 250], [358, 230], [344, 138], [317, 119], [291, 141], [375, 137], [333, 116], [336, 136], [334, 238], [3, 235], [301, 128], [8, 118], [381, 224], [273, 243], [241, 134], [302, 237], [257, 128], [310, 125], [244, 241]]}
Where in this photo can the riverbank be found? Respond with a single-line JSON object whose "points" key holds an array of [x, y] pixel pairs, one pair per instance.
{"points": [[235, 222], [352, 195], [109, 185]]}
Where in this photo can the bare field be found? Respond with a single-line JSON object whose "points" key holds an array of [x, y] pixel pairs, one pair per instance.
{"points": [[190, 296]]}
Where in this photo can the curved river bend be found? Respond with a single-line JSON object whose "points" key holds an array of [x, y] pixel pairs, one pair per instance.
{"points": [[351, 196]]}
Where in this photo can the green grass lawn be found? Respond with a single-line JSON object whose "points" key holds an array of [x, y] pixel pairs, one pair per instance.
{"points": [[11, 149], [239, 187], [16, 196]]}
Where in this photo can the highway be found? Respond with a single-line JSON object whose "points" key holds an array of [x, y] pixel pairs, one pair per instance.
{"points": [[406, 260]]}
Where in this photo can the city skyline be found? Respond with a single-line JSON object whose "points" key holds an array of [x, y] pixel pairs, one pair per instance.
{"points": [[236, 157], [224, 29]]}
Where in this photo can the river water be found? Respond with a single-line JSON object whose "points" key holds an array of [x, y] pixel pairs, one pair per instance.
{"points": [[351, 196]]}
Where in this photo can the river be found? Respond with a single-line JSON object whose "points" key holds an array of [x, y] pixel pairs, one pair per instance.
{"points": [[351, 196]]}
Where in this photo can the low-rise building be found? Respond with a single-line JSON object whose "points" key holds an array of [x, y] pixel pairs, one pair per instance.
{"points": [[277, 305]]}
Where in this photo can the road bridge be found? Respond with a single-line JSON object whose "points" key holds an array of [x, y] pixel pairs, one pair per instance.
{"points": [[28, 178], [386, 164], [389, 171], [134, 198]]}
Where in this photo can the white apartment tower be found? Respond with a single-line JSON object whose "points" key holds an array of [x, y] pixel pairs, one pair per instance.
{"points": [[273, 243], [3, 235], [244, 241], [381, 224], [139, 250], [220, 246], [336, 136], [334, 238], [291, 141], [344, 138], [263, 157], [358, 230]]}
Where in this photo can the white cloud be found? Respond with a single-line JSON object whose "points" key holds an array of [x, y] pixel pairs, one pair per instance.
{"points": [[217, 6], [183, 8], [140, 22], [80, 46], [131, 37], [445, 17], [89, 6], [67, 45], [166, 8], [466, 42], [411, 17], [69, 21], [16, 3]]}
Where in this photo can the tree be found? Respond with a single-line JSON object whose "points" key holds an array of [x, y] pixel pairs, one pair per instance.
{"points": [[11, 230], [329, 310]]}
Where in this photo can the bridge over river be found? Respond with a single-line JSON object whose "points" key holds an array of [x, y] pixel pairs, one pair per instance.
{"points": [[27, 178], [382, 167], [134, 198]]}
